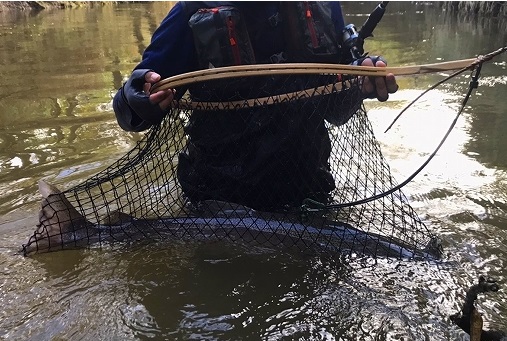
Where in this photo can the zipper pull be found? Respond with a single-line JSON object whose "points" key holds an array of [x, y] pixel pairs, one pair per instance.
{"points": [[230, 27]]}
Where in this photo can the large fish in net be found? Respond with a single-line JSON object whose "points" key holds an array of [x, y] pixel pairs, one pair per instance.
{"points": [[156, 191]]}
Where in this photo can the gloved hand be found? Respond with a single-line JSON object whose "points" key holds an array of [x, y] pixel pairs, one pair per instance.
{"points": [[377, 87], [134, 96]]}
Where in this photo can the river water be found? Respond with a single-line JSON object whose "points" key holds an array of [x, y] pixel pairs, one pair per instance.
{"points": [[59, 71]]}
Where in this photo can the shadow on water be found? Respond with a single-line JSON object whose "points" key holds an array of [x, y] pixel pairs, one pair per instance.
{"points": [[59, 71]]}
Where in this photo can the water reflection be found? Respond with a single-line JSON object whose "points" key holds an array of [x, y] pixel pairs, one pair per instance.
{"points": [[193, 294], [59, 69]]}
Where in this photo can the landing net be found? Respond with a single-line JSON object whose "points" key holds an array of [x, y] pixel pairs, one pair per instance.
{"points": [[254, 159]]}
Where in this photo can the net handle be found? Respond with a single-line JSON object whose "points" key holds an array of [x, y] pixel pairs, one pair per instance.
{"points": [[304, 68]]}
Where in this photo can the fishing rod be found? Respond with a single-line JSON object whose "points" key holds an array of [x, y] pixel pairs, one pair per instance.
{"points": [[353, 40]]}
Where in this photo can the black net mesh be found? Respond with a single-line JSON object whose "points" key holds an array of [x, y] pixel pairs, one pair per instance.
{"points": [[252, 159]]}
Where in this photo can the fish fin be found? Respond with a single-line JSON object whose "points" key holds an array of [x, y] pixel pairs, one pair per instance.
{"points": [[55, 206], [58, 220], [115, 218], [46, 189]]}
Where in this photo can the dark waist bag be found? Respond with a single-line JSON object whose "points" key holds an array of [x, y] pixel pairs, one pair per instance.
{"points": [[310, 32], [221, 37]]}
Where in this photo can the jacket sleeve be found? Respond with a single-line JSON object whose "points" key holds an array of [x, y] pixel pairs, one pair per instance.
{"points": [[171, 52]]}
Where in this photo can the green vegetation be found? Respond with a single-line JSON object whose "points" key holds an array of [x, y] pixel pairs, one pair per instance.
{"points": [[476, 8]]}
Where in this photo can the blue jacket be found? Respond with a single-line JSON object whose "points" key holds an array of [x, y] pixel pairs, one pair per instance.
{"points": [[172, 51]]}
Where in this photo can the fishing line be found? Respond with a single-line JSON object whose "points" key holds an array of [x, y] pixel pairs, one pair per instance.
{"points": [[476, 68]]}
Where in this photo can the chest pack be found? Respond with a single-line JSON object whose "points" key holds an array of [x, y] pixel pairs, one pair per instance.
{"points": [[310, 32], [222, 34], [221, 37]]}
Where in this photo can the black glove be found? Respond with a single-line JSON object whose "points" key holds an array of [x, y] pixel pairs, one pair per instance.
{"points": [[374, 59], [132, 105]]}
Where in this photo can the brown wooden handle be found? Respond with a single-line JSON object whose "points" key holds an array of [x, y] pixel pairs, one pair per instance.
{"points": [[303, 68], [306, 68]]}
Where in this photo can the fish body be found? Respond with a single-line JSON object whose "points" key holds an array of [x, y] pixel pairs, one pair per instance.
{"points": [[61, 226]]}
